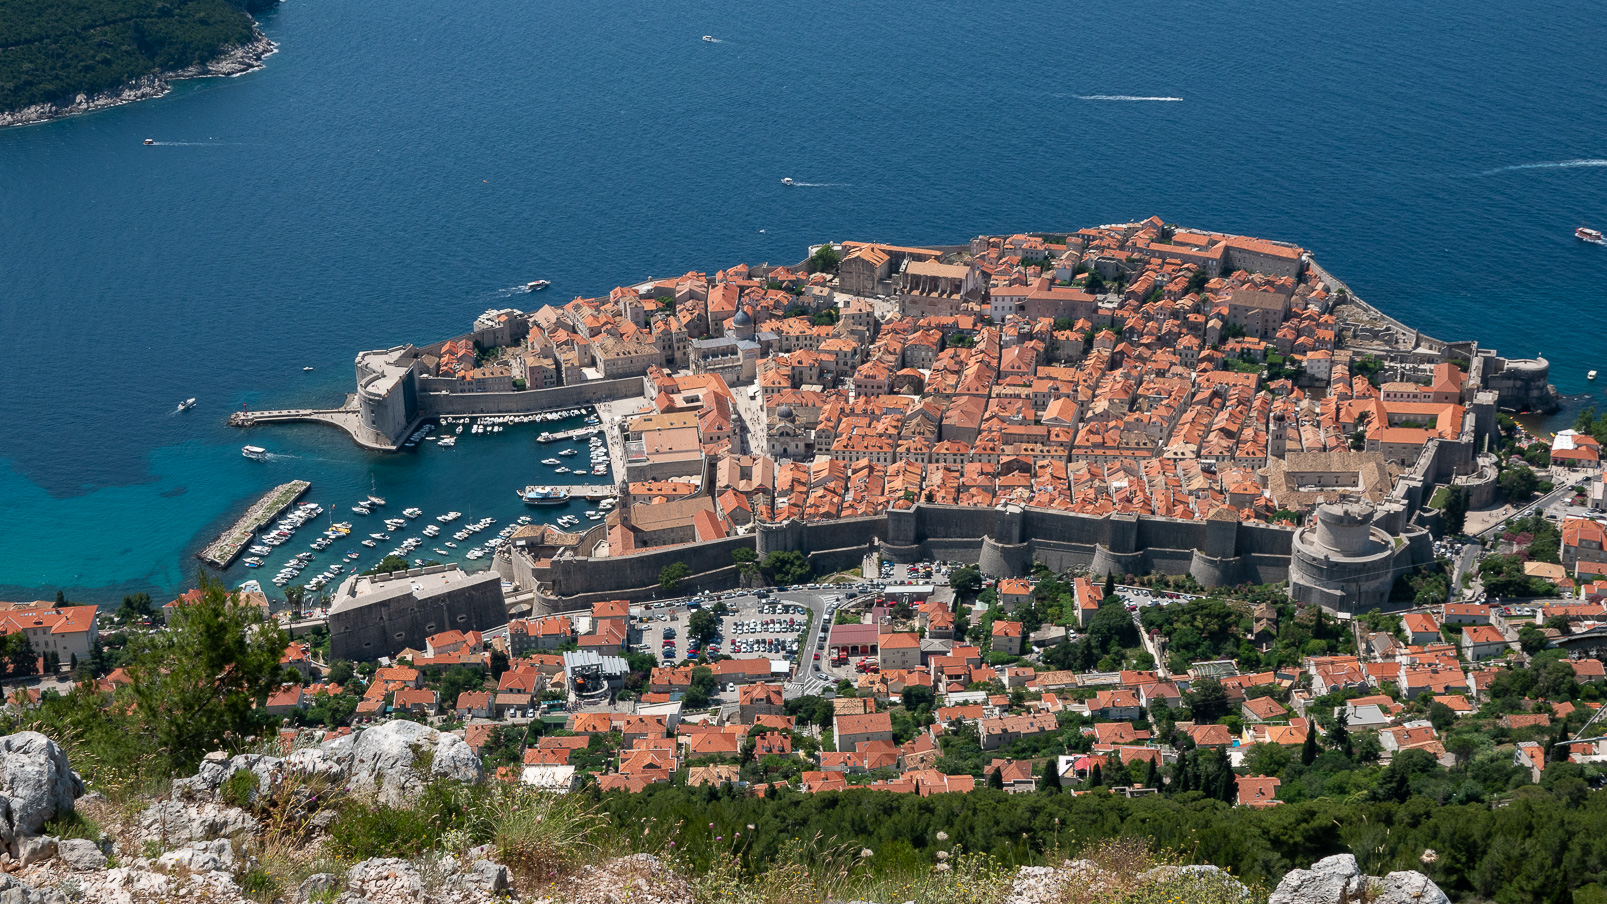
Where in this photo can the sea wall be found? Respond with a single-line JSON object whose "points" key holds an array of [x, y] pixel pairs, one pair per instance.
{"points": [[460, 404]]}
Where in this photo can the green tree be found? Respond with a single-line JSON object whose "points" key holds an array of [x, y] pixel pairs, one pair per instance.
{"points": [[200, 684], [340, 672], [389, 564], [1051, 776], [825, 259], [786, 567], [701, 628], [1518, 483], [1207, 700], [996, 779], [1532, 639], [136, 606], [1456, 509], [1308, 750], [700, 688], [966, 579], [458, 679], [499, 663], [671, 576]]}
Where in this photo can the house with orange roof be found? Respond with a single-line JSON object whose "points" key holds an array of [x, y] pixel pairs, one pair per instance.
{"points": [[1421, 628], [898, 651], [67, 631], [1483, 642], [1257, 791], [1006, 637], [474, 705], [849, 731], [1583, 541]]}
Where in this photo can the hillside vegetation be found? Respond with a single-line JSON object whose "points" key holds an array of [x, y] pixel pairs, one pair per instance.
{"points": [[52, 50]]}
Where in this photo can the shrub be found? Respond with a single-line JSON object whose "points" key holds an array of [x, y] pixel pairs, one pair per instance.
{"points": [[239, 788]]}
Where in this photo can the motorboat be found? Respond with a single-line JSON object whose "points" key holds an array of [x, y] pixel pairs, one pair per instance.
{"points": [[708, 38], [450, 545], [561, 469], [186, 405], [370, 544], [412, 512], [536, 285], [260, 550], [538, 495], [150, 141], [253, 563], [362, 509], [568, 452], [551, 462], [255, 453], [1586, 234], [307, 370], [788, 181], [1591, 375]]}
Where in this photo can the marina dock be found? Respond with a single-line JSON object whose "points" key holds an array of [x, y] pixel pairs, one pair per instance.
{"points": [[224, 549], [595, 492], [577, 433]]}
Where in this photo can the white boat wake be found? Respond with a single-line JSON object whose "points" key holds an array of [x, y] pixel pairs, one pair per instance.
{"points": [[819, 185], [1559, 164], [1129, 97]]}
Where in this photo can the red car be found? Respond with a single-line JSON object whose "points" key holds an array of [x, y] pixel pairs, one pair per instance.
{"points": [[817, 657]]}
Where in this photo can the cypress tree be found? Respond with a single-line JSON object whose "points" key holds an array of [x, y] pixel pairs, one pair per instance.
{"points": [[1308, 752], [1051, 776], [996, 780], [1096, 777], [1152, 778]]}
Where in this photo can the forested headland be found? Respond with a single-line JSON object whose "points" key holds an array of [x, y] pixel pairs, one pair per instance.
{"points": [[53, 50]]}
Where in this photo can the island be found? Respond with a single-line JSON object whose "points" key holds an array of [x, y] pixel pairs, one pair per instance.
{"points": [[60, 58]]}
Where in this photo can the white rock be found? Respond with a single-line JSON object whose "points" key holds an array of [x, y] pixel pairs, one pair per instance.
{"points": [[492, 877], [200, 857], [35, 849], [81, 854], [174, 822], [1410, 887], [1331, 880], [36, 784], [388, 760]]}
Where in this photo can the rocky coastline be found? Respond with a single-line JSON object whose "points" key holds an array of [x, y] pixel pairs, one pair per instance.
{"points": [[236, 60]]}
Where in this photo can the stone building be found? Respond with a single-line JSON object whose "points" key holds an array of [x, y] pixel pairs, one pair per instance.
{"points": [[381, 615]]}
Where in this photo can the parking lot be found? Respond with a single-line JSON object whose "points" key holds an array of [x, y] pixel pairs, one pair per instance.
{"points": [[754, 627]]}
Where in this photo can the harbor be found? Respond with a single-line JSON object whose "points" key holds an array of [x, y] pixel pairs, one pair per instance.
{"points": [[223, 551]]}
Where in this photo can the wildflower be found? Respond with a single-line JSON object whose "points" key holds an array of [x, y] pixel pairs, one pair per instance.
{"points": [[1430, 855], [866, 852], [942, 855], [942, 836]]}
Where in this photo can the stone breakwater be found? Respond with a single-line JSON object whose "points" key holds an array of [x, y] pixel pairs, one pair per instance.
{"points": [[237, 60]]}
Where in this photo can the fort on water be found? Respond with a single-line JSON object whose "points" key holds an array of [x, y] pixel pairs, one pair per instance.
{"points": [[1129, 398]]}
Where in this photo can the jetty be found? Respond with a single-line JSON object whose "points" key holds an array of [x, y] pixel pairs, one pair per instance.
{"points": [[577, 433], [228, 545]]}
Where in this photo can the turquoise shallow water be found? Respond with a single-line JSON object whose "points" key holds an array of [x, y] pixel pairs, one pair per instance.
{"points": [[390, 173]]}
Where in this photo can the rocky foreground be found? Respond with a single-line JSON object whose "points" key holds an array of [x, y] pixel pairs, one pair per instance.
{"points": [[233, 61], [200, 845]]}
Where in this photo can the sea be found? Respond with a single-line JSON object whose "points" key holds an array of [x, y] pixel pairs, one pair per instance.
{"points": [[395, 170]]}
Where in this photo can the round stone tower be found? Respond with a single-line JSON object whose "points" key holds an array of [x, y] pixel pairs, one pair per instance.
{"points": [[1341, 561]]}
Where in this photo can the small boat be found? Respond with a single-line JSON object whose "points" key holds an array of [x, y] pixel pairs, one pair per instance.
{"points": [[1586, 234], [376, 500], [255, 453], [186, 405], [412, 512], [551, 462], [307, 370], [709, 38], [451, 545], [567, 452], [150, 141], [370, 544], [561, 470], [788, 181], [361, 509], [253, 562], [536, 285], [1591, 375]]}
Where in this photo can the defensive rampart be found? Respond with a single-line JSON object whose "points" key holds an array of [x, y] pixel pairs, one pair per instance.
{"points": [[1004, 541]]}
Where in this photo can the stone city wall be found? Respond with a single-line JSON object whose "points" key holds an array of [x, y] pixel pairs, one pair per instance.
{"points": [[459, 404]]}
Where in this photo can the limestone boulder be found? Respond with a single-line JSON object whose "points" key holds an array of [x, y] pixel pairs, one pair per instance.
{"points": [[200, 857], [395, 761], [178, 822], [36, 785], [1410, 887], [1331, 880], [81, 854]]}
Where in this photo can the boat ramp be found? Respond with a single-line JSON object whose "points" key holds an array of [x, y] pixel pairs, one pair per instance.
{"points": [[228, 545]]}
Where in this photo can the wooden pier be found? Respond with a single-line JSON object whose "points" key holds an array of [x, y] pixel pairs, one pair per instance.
{"points": [[228, 545]]}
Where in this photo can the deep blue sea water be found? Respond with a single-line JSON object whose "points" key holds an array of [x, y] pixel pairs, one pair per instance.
{"points": [[394, 169]]}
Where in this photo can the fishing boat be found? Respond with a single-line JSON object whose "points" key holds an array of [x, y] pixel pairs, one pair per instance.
{"points": [[537, 495], [255, 453]]}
